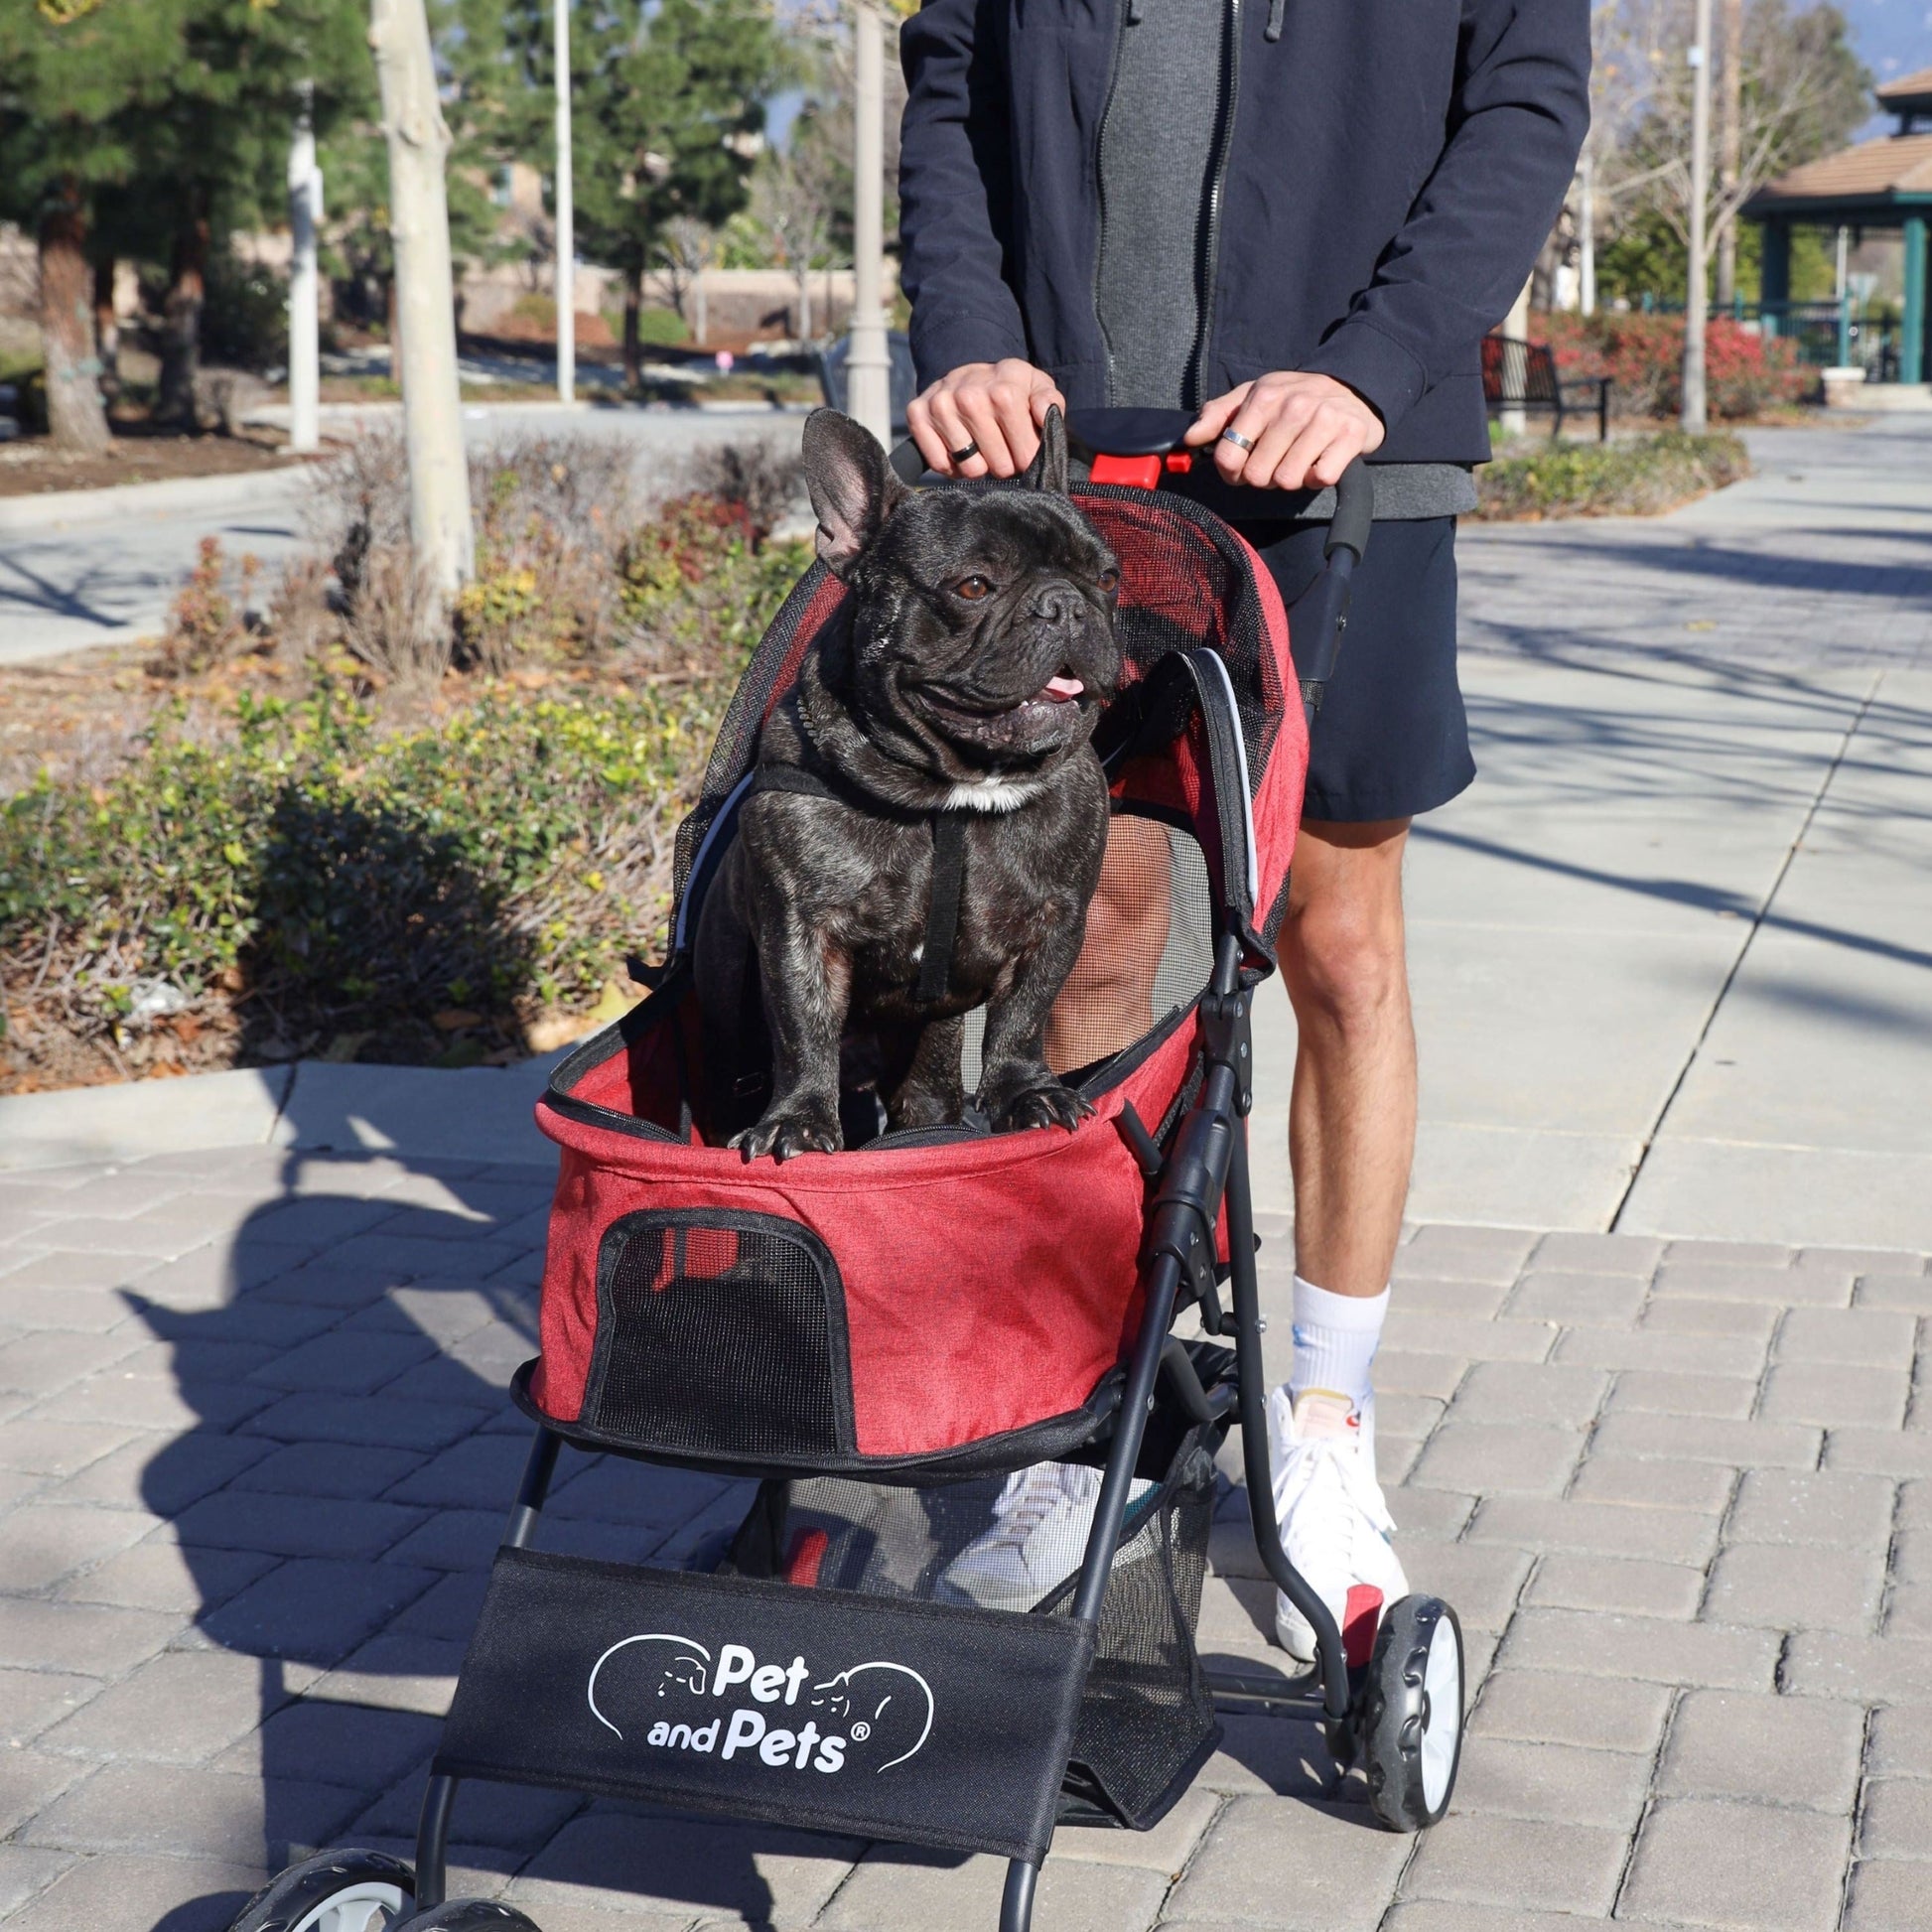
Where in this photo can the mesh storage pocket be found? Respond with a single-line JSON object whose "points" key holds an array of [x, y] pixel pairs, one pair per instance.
{"points": [[1147, 1718], [720, 1332], [1147, 1721]]}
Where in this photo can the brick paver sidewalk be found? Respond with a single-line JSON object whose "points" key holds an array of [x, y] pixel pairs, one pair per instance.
{"points": [[254, 1456]]}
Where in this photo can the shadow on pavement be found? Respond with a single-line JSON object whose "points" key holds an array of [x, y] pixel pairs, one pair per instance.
{"points": [[339, 1497]]}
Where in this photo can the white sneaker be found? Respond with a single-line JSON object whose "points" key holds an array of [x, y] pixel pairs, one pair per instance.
{"points": [[1038, 1538], [1335, 1523]]}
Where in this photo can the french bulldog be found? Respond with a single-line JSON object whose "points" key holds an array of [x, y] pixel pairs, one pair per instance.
{"points": [[964, 687]]}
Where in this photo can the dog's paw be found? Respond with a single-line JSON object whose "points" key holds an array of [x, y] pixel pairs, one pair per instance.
{"points": [[1044, 1106], [782, 1135]]}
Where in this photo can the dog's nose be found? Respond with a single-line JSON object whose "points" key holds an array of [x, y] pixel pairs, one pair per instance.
{"points": [[1057, 605]]}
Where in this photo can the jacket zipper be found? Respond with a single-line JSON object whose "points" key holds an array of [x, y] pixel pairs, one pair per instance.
{"points": [[1212, 253], [1101, 186]]}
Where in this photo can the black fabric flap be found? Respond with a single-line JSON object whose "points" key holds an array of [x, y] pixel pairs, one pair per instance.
{"points": [[817, 1708]]}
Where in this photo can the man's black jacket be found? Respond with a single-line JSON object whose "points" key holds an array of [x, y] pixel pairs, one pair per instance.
{"points": [[1389, 172]]}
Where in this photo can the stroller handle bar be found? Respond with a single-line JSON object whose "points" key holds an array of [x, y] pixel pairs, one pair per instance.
{"points": [[1140, 446]]}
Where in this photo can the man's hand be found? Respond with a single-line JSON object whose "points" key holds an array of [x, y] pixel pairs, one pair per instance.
{"points": [[1304, 431], [999, 406]]}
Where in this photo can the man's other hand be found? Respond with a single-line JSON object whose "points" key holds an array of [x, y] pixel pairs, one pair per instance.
{"points": [[1303, 431], [997, 406]]}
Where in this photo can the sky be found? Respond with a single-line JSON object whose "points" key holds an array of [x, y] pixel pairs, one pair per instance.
{"points": [[1893, 36]]}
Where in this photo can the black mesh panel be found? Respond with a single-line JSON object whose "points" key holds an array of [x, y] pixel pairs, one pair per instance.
{"points": [[720, 1332]]}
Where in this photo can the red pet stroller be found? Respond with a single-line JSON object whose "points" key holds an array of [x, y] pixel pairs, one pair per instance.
{"points": [[883, 1337]]}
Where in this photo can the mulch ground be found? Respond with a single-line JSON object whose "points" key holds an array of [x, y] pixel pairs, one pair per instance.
{"points": [[32, 466]]}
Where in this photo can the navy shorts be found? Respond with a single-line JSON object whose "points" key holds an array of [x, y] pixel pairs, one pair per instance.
{"points": [[1392, 738]]}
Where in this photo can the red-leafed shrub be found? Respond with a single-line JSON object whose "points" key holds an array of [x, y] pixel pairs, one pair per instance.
{"points": [[1644, 354]]}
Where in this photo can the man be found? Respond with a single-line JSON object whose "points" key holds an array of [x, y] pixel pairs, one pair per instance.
{"points": [[1297, 218]]}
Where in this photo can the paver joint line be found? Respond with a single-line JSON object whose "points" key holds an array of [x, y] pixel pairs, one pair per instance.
{"points": [[1759, 916]]}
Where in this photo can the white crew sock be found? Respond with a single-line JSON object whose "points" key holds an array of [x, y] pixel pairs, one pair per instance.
{"points": [[1335, 1339]]}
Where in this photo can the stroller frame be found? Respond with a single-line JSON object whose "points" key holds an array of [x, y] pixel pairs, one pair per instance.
{"points": [[1372, 1707]]}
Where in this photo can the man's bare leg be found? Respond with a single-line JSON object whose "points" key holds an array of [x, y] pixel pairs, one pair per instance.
{"points": [[1352, 1133], [1351, 1139]]}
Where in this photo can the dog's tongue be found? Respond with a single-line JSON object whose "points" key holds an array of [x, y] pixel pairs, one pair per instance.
{"points": [[1062, 688]]}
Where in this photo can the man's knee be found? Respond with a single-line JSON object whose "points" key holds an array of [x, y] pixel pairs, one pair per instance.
{"points": [[1342, 943]]}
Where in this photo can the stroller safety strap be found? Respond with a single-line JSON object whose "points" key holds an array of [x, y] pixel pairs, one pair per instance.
{"points": [[948, 866]]}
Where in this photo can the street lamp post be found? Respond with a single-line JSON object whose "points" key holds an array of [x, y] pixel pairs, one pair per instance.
{"points": [[305, 330], [868, 365], [1695, 304], [1586, 236], [566, 219]]}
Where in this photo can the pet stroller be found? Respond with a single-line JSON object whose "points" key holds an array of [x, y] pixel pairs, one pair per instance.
{"points": [[883, 1337]]}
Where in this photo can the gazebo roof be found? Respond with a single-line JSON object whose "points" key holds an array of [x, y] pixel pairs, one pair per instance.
{"points": [[1911, 93], [1868, 178]]}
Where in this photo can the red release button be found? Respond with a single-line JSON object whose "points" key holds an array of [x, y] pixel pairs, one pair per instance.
{"points": [[1135, 471]]}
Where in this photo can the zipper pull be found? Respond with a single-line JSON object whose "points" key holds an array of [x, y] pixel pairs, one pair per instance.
{"points": [[1277, 9], [1132, 13]]}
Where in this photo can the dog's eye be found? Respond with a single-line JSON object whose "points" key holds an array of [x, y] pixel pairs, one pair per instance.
{"points": [[1110, 580], [972, 589]]}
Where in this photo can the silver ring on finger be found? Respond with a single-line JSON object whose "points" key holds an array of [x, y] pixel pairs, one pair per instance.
{"points": [[1239, 441], [965, 455]]}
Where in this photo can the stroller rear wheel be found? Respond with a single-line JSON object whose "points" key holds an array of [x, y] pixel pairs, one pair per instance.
{"points": [[334, 1891], [1411, 1725]]}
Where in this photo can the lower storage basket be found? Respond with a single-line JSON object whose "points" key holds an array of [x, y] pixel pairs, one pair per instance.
{"points": [[1146, 1721]]}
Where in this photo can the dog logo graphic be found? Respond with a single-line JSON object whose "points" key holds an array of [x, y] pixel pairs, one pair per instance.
{"points": [[876, 1714], [684, 1667], [879, 1701]]}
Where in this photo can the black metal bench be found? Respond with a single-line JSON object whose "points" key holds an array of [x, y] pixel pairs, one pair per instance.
{"points": [[1523, 375]]}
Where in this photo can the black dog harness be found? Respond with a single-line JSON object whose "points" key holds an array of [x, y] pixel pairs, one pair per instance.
{"points": [[948, 827]]}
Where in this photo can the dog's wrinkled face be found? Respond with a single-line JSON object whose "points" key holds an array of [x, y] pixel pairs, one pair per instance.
{"points": [[984, 621]]}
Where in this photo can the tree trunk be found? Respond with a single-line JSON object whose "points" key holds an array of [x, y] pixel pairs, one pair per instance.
{"points": [[634, 349], [181, 329], [76, 418], [1729, 145], [804, 304], [107, 329], [701, 321], [419, 225], [392, 328]]}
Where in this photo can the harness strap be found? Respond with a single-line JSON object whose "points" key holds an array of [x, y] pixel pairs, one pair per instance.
{"points": [[948, 830], [942, 909]]}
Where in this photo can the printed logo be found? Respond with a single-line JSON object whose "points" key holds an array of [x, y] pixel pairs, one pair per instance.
{"points": [[876, 1713]]}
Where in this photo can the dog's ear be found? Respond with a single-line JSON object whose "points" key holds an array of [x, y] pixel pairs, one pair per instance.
{"points": [[1047, 469], [852, 488]]}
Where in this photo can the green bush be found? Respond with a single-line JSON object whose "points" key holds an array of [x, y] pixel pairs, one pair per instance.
{"points": [[1640, 476], [375, 866], [340, 876]]}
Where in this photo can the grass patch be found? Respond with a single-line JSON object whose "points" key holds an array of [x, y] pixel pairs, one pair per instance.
{"points": [[1640, 476]]}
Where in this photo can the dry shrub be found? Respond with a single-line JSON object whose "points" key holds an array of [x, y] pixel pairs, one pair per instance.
{"points": [[552, 517], [391, 621], [210, 622], [766, 479]]}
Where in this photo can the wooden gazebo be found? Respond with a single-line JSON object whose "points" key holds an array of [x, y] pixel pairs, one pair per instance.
{"points": [[1883, 186]]}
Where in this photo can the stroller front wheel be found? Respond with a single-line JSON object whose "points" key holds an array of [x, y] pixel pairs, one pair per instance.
{"points": [[468, 1915], [1412, 1714], [334, 1891]]}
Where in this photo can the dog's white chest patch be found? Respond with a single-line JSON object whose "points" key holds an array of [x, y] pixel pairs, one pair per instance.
{"points": [[989, 795]]}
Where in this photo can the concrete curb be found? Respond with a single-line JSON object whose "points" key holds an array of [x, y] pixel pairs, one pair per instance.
{"points": [[476, 1114], [58, 509]]}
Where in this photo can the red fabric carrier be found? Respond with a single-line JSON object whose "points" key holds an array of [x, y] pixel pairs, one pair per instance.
{"points": [[951, 1300]]}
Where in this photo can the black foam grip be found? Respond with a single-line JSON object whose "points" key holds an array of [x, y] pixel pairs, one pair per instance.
{"points": [[1354, 512]]}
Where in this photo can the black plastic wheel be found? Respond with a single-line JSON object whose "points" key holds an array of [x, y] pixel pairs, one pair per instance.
{"points": [[1411, 1724], [468, 1915], [335, 1891]]}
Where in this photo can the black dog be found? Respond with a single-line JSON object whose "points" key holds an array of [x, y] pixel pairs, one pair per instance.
{"points": [[933, 759]]}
